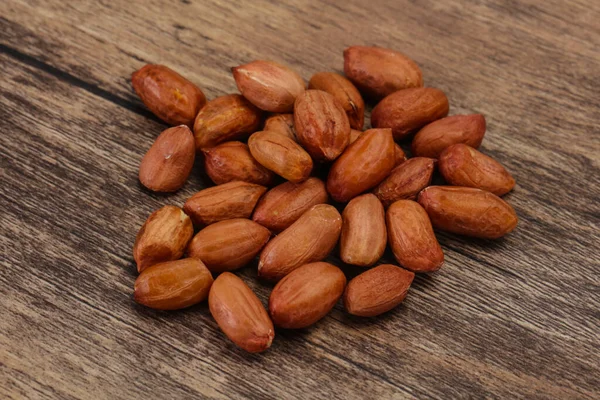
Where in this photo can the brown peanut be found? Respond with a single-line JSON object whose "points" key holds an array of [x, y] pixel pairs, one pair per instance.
{"points": [[163, 237], [433, 138], [268, 85], [228, 245], [240, 314], [406, 180], [230, 200], [364, 236], [468, 211], [462, 165], [322, 126], [378, 72], [306, 295], [281, 155], [377, 290], [363, 165], [168, 163], [173, 285], [167, 94], [411, 237], [223, 119], [410, 109], [281, 206], [311, 238], [344, 92], [232, 161]]}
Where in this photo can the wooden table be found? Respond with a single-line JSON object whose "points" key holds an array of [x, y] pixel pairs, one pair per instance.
{"points": [[513, 318]]}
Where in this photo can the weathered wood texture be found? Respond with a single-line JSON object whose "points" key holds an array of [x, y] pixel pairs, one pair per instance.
{"points": [[514, 318]]}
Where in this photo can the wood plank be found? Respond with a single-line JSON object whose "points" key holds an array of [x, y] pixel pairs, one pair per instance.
{"points": [[107, 293], [513, 318]]}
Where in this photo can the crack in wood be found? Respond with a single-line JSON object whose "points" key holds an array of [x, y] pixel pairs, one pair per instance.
{"points": [[78, 82]]}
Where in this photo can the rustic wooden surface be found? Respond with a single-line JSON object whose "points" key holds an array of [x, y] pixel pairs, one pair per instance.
{"points": [[514, 318]]}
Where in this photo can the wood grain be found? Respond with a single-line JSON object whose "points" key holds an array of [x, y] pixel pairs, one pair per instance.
{"points": [[514, 318]]}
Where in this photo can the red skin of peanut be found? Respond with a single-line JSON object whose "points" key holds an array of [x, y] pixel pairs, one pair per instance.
{"points": [[377, 290], [411, 237], [468, 211], [433, 138], [167, 94], [462, 165], [363, 165], [306, 295]]}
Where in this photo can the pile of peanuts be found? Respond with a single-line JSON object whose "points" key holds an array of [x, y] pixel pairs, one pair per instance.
{"points": [[265, 148]]}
